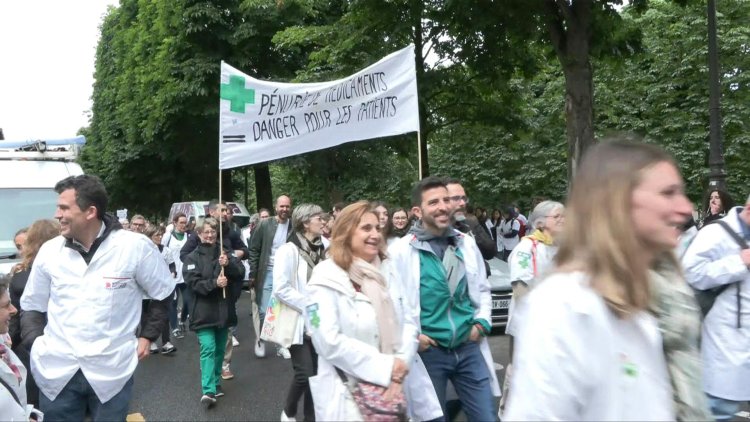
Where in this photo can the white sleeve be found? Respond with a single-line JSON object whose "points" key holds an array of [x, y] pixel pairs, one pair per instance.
{"points": [[521, 262], [481, 286], [709, 262], [36, 294], [151, 271], [285, 270], [408, 311], [346, 353], [552, 370]]}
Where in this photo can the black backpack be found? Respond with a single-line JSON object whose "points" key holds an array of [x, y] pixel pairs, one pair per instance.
{"points": [[706, 298]]}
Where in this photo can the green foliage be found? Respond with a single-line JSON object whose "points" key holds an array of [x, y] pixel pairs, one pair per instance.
{"points": [[662, 94]]}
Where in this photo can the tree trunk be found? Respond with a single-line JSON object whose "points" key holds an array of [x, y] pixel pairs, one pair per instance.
{"points": [[263, 195], [227, 193], [570, 31], [579, 113]]}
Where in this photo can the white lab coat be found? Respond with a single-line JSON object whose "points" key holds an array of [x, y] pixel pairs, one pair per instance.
{"points": [[521, 264], [10, 410], [507, 226], [713, 259], [175, 246], [290, 284], [404, 262], [575, 360], [345, 335], [93, 310]]}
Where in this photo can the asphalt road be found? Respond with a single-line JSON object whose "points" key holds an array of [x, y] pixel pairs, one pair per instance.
{"points": [[167, 388]]}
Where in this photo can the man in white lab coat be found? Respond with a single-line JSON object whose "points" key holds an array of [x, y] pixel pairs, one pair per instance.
{"points": [[90, 282], [714, 259]]}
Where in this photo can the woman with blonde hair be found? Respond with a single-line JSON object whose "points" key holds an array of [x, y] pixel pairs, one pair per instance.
{"points": [[353, 320], [612, 333], [39, 232]]}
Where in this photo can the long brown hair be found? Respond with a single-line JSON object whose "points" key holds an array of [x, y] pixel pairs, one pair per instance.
{"points": [[599, 238], [39, 232], [343, 229]]}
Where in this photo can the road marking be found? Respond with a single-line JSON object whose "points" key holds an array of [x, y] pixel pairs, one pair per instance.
{"points": [[498, 366], [135, 417], [743, 414]]}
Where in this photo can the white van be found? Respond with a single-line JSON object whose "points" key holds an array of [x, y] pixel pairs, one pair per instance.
{"points": [[29, 171], [199, 209]]}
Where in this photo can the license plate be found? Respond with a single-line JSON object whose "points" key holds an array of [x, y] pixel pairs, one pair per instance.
{"points": [[500, 304]]}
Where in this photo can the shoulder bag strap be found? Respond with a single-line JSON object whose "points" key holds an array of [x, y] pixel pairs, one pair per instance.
{"points": [[11, 391], [743, 245]]}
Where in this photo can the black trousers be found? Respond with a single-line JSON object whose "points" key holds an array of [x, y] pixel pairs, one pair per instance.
{"points": [[305, 364]]}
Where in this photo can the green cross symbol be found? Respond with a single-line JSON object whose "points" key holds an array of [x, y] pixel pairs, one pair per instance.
{"points": [[237, 94]]}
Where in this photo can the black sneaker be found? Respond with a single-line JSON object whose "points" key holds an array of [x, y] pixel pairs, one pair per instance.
{"points": [[208, 400], [219, 391]]}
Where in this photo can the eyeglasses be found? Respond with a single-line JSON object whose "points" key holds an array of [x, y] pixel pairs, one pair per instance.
{"points": [[459, 198], [400, 218]]}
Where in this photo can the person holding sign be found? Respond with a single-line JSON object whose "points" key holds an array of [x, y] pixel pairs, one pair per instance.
{"points": [[208, 271]]}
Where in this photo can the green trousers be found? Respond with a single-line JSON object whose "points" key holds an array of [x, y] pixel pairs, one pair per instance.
{"points": [[212, 341]]}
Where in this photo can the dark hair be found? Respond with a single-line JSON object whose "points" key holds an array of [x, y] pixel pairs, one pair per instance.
{"points": [[452, 181], [429, 182], [264, 209], [21, 231], [90, 191], [178, 216], [390, 230], [212, 204], [338, 206], [4, 283], [727, 203]]}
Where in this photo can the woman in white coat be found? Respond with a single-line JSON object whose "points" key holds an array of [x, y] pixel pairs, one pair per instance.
{"points": [[592, 345], [534, 255], [353, 320], [13, 405], [293, 265]]}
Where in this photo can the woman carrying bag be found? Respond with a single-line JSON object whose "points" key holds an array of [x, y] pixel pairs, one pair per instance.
{"points": [[294, 263], [363, 349]]}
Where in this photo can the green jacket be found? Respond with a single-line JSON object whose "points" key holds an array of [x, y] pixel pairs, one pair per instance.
{"points": [[445, 317]]}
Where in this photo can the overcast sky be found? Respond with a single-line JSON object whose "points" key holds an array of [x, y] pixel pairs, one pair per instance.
{"points": [[47, 65]]}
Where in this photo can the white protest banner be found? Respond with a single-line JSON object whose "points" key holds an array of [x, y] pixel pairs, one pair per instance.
{"points": [[262, 121]]}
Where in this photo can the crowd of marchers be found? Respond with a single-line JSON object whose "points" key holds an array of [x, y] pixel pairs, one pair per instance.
{"points": [[623, 308]]}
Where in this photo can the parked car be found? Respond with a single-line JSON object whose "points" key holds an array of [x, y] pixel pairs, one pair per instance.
{"points": [[501, 291]]}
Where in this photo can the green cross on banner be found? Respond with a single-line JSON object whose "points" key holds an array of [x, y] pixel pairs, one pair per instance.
{"points": [[237, 94]]}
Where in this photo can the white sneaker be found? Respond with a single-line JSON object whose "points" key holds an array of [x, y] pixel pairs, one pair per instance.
{"points": [[235, 342], [260, 349], [285, 418], [284, 353]]}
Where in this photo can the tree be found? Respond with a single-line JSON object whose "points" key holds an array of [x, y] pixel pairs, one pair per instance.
{"points": [[156, 92], [662, 92]]}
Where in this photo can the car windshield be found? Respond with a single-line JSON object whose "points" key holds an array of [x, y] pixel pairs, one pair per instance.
{"points": [[21, 207]]}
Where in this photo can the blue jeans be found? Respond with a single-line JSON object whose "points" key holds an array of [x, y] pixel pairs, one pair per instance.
{"points": [[465, 367], [77, 396], [266, 295], [721, 409]]}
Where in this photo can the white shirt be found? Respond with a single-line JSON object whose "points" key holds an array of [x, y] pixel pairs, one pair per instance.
{"points": [[174, 246], [575, 360], [93, 310], [279, 238], [508, 226]]}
